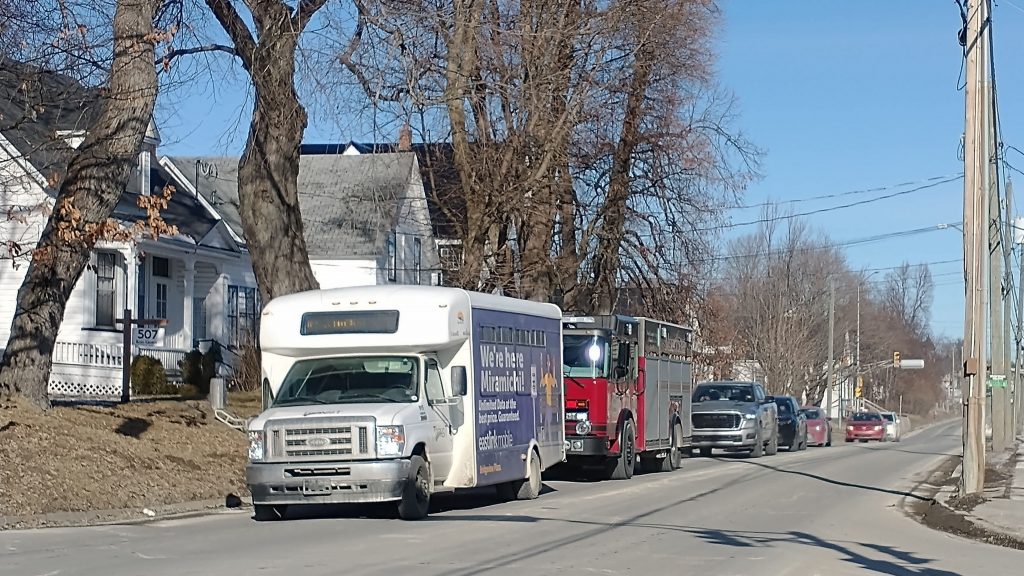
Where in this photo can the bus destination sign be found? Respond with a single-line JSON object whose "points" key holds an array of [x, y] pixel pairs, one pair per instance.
{"points": [[357, 322]]}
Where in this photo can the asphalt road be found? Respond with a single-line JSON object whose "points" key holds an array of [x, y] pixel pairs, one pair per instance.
{"points": [[823, 511]]}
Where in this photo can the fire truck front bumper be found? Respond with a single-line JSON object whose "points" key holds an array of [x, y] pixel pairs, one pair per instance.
{"points": [[585, 446]]}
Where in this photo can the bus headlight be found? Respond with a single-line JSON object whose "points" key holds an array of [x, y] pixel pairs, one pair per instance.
{"points": [[390, 441], [583, 427], [255, 445]]}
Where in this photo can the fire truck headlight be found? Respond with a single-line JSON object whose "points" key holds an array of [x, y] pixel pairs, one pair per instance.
{"points": [[583, 427]]}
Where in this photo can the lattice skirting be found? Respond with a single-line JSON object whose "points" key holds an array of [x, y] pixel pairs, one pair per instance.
{"points": [[85, 381]]}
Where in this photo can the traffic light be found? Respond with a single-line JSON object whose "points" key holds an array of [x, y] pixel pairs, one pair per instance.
{"points": [[895, 359]]}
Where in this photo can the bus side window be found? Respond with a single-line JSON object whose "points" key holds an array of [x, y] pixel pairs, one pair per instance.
{"points": [[435, 390]]}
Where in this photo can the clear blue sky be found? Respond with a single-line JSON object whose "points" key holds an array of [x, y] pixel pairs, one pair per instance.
{"points": [[843, 96]]}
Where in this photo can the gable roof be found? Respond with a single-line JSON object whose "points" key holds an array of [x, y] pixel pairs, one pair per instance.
{"points": [[348, 203], [441, 181], [183, 210], [36, 106]]}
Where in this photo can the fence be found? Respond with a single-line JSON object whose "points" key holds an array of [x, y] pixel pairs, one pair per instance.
{"points": [[82, 369]]}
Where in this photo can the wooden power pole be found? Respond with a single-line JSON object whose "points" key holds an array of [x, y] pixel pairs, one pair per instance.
{"points": [[976, 175], [831, 345]]}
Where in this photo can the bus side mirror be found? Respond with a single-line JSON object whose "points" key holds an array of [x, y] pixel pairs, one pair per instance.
{"points": [[459, 386], [621, 371]]}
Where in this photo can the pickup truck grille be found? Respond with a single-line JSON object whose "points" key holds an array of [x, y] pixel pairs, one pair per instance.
{"points": [[719, 420], [320, 439]]}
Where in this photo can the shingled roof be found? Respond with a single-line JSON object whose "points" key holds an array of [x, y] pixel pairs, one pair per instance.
{"points": [[348, 203], [441, 181], [35, 107]]}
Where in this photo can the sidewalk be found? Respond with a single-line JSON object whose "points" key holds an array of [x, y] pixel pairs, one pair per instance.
{"points": [[997, 516], [1003, 509]]}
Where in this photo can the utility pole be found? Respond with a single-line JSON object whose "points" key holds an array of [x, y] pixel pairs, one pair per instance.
{"points": [[831, 344], [1006, 243], [996, 299], [976, 155], [1018, 380]]}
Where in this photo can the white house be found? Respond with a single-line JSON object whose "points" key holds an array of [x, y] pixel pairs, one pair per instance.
{"points": [[365, 218], [366, 222]]}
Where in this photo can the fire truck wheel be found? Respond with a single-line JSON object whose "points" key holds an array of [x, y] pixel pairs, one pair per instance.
{"points": [[627, 453], [415, 502], [673, 460]]}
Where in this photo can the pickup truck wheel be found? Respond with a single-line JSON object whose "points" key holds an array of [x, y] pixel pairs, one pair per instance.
{"points": [[627, 453], [415, 502], [268, 513], [773, 446], [673, 460], [758, 450]]}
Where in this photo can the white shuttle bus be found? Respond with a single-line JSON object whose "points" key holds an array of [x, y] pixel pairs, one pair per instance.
{"points": [[393, 393]]}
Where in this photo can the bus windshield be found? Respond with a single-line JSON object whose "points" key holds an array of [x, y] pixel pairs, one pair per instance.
{"points": [[350, 380], [585, 356]]}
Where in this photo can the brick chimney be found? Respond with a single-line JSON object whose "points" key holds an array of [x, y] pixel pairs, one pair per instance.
{"points": [[405, 138]]}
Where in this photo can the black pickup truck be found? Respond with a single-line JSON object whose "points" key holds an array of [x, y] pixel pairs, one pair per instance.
{"points": [[734, 416]]}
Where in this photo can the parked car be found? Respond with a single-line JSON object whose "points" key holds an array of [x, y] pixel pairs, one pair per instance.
{"points": [[865, 426], [734, 416], [819, 426], [792, 424], [893, 426]]}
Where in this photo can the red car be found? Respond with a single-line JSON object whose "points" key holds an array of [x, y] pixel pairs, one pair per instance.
{"points": [[865, 426], [819, 427]]}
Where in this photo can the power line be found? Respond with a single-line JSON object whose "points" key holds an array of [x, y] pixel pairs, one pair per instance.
{"points": [[829, 209], [946, 178]]}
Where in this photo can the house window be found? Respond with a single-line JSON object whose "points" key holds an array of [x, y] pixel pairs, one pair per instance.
{"points": [[106, 289], [161, 300], [161, 267], [417, 256], [141, 289], [392, 257], [199, 318], [241, 315]]}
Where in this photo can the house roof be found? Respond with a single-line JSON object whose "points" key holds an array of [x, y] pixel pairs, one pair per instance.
{"points": [[441, 181], [183, 210], [348, 203], [36, 106]]}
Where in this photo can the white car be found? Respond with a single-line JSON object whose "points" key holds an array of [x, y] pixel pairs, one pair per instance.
{"points": [[892, 426]]}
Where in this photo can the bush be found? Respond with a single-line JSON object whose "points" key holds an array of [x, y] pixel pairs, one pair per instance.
{"points": [[197, 368], [149, 377], [247, 372]]}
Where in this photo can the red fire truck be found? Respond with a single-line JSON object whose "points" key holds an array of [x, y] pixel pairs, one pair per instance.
{"points": [[628, 383]]}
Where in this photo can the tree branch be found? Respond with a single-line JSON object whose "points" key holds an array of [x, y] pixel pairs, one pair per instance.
{"points": [[241, 36], [165, 60], [305, 12], [345, 58]]}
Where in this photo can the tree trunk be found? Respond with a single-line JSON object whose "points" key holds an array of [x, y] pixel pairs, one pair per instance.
{"points": [[268, 171], [95, 180]]}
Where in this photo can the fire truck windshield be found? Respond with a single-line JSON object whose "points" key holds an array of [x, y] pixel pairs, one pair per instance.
{"points": [[585, 356]]}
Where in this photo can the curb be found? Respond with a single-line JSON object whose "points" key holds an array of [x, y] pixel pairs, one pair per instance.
{"points": [[123, 516]]}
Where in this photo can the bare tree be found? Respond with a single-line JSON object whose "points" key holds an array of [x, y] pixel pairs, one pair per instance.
{"points": [[779, 277], [268, 170], [95, 179], [907, 295], [582, 134]]}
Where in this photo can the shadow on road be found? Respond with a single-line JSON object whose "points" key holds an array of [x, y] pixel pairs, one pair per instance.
{"points": [[896, 563], [469, 499], [837, 482]]}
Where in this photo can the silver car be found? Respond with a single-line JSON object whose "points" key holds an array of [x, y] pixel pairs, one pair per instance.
{"points": [[892, 426]]}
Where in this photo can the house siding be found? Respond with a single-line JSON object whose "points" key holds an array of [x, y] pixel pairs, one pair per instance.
{"points": [[344, 273]]}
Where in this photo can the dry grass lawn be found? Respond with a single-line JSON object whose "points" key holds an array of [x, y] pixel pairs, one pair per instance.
{"points": [[106, 457]]}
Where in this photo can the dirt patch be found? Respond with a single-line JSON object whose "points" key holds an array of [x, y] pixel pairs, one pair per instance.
{"points": [[965, 503], [80, 458]]}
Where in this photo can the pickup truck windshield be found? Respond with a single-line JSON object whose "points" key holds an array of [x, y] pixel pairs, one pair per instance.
{"points": [[350, 380], [585, 356], [736, 393]]}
